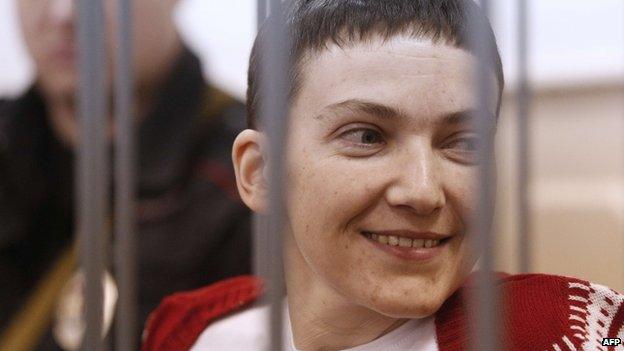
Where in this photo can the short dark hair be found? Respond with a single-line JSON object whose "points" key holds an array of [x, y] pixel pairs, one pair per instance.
{"points": [[313, 24]]}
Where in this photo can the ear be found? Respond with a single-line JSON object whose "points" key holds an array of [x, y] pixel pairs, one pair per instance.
{"points": [[248, 156]]}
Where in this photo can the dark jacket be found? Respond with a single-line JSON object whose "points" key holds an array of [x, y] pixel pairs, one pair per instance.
{"points": [[192, 227]]}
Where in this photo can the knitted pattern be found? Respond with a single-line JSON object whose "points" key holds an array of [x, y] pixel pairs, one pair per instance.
{"points": [[539, 312], [182, 317], [596, 312]]}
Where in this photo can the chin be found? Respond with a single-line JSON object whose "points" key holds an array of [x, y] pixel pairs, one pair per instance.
{"points": [[59, 84], [408, 306]]}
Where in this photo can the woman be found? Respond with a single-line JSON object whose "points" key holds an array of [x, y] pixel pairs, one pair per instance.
{"points": [[381, 170]]}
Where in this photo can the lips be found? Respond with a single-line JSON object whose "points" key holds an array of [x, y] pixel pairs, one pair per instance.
{"points": [[402, 241], [410, 234], [409, 245]]}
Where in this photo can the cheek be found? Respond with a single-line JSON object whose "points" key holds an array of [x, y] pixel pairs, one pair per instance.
{"points": [[462, 196], [462, 190], [30, 21], [325, 193], [316, 189]]}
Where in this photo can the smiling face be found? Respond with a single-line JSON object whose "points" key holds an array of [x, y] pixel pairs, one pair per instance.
{"points": [[382, 151]]}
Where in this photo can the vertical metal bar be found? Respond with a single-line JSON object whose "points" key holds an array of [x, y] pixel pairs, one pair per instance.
{"points": [[92, 172], [259, 224], [125, 240], [523, 101], [484, 298], [273, 114], [262, 11]]}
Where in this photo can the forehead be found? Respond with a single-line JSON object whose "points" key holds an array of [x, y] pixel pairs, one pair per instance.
{"points": [[422, 78]]}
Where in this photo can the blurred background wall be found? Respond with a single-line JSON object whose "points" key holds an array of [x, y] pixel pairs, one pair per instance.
{"points": [[577, 74], [577, 133]]}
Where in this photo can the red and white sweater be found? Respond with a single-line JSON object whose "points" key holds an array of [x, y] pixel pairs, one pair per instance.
{"points": [[540, 312]]}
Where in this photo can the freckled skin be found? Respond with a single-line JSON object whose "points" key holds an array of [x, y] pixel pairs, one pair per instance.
{"points": [[385, 192], [419, 176]]}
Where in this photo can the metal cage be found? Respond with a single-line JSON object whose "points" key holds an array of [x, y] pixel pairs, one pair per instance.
{"points": [[93, 175]]}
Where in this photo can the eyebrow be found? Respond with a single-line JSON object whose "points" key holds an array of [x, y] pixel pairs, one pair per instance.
{"points": [[467, 116], [357, 106]]}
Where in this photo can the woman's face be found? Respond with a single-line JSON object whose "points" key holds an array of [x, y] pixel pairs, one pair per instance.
{"points": [[383, 155]]}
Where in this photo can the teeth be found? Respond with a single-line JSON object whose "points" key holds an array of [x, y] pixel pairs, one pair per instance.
{"points": [[418, 243], [403, 242], [393, 240]]}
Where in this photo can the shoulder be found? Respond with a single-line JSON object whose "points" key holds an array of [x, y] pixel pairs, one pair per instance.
{"points": [[7, 104], [541, 310], [589, 312], [7, 111], [181, 318], [219, 121], [248, 326], [17, 109], [573, 291], [10, 105], [221, 113]]}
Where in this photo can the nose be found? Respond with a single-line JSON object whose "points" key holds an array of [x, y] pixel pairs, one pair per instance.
{"points": [[61, 11], [417, 185]]}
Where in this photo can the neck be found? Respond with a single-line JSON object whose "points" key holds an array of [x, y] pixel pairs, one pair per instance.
{"points": [[150, 87], [61, 111], [321, 318]]}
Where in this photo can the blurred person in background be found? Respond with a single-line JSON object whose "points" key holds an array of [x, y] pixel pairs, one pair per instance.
{"points": [[192, 228]]}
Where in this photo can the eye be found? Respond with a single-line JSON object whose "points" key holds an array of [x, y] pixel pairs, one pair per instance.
{"points": [[363, 136], [464, 149], [468, 144]]}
